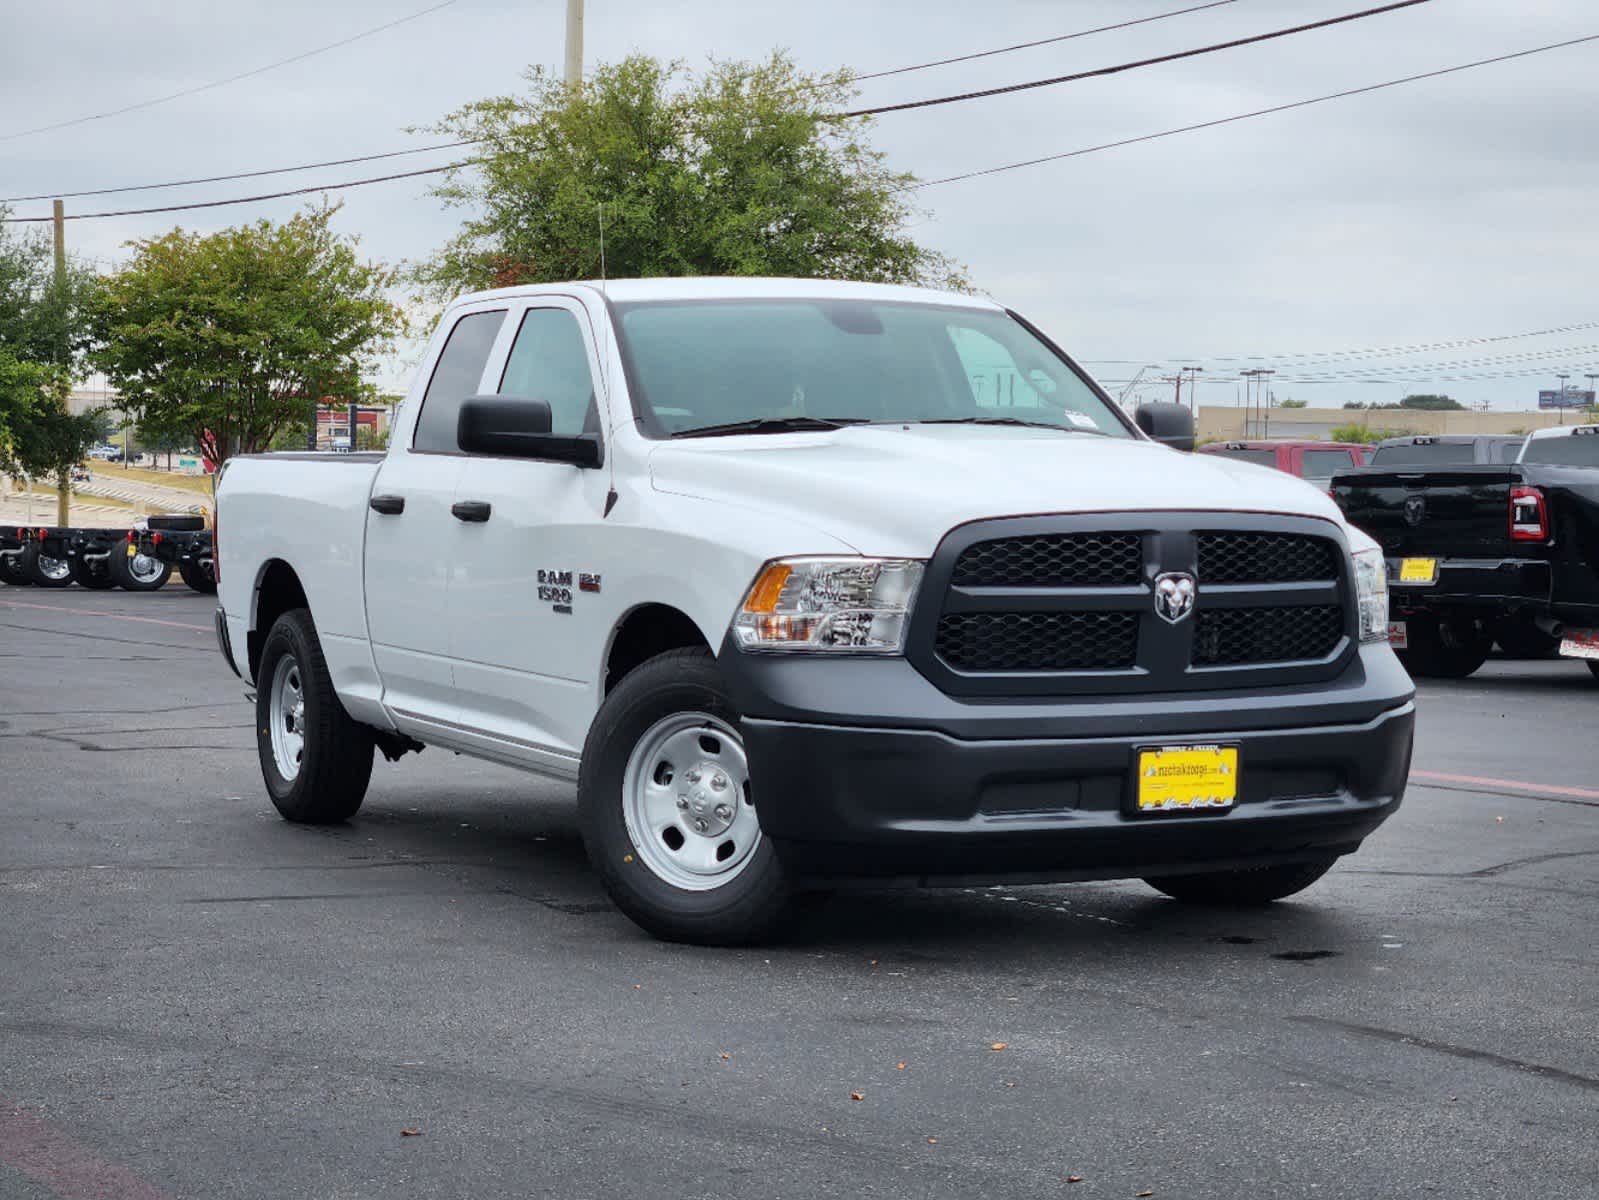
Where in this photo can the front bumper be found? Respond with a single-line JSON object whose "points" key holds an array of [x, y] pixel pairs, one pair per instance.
{"points": [[874, 774]]}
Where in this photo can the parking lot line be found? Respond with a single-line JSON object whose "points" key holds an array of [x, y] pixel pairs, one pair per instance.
{"points": [[106, 615], [1515, 785]]}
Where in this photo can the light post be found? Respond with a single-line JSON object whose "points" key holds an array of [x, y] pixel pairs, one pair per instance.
{"points": [[1560, 405]]}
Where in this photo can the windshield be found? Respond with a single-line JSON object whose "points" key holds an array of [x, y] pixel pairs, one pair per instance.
{"points": [[1425, 453], [695, 365], [1580, 450]]}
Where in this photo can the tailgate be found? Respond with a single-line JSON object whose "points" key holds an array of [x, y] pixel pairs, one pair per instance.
{"points": [[1439, 512]]}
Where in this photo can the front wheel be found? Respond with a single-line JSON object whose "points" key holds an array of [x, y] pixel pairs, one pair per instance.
{"points": [[315, 759], [198, 576], [667, 811], [1241, 889], [139, 572], [44, 571]]}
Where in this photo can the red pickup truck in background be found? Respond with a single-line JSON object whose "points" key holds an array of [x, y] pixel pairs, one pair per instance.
{"points": [[1313, 462]]}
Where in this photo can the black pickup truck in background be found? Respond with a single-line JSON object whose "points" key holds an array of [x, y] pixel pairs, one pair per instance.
{"points": [[1487, 539]]}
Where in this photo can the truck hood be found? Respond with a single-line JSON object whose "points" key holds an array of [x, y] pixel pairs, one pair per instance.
{"points": [[896, 490]]}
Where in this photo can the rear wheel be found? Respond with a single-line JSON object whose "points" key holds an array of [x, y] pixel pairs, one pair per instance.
{"points": [[46, 572], [11, 571], [140, 573], [316, 760], [1593, 666], [1445, 648], [1520, 638], [93, 573], [667, 812], [1242, 889], [199, 577]]}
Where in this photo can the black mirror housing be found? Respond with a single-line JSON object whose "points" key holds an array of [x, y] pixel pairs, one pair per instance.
{"points": [[1169, 424], [518, 427]]}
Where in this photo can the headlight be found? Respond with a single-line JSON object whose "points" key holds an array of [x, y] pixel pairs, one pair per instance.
{"points": [[1371, 589], [829, 604]]}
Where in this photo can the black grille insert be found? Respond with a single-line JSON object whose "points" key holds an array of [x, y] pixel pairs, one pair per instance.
{"points": [[1038, 641], [1236, 636], [1052, 560], [1265, 558]]}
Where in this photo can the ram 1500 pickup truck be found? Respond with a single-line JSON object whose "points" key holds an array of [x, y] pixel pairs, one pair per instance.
{"points": [[1486, 539], [807, 582]]}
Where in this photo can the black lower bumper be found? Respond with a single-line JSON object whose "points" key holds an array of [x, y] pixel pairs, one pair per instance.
{"points": [[929, 791]]}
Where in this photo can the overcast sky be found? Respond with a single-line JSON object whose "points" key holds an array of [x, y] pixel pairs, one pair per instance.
{"points": [[1450, 209]]}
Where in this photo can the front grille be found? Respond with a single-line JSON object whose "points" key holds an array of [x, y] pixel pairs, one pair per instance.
{"points": [[1065, 605], [1265, 558], [1238, 636], [1035, 641], [1054, 560]]}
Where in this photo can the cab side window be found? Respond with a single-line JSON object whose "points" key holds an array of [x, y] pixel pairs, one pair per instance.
{"points": [[549, 362], [455, 377]]}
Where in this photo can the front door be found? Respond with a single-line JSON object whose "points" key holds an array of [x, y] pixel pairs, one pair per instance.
{"points": [[528, 612], [410, 531]]}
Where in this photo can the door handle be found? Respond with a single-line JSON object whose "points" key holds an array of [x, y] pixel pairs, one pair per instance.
{"points": [[470, 510], [389, 506]]}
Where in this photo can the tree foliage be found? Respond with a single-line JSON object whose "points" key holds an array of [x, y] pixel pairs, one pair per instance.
{"points": [[221, 340], [1356, 432], [741, 170]]}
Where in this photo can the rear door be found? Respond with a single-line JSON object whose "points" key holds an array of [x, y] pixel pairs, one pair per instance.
{"points": [[528, 610], [410, 532]]}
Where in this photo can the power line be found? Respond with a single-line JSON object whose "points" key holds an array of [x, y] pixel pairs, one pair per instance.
{"points": [[151, 187], [912, 187], [1049, 41], [1132, 66], [216, 83], [1259, 112], [341, 162]]}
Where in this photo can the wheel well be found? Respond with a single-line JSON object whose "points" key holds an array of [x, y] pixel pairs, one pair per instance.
{"points": [[278, 592], [645, 632]]}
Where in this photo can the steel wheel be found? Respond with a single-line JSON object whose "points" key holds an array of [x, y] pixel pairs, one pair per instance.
{"points": [[144, 569], [686, 802], [53, 569], [287, 717]]}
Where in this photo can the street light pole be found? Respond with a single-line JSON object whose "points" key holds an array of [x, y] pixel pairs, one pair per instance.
{"points": [[1560, 405], [574, 43]]}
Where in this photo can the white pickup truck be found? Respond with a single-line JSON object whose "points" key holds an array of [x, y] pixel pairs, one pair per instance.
{"points": [[806, 582]]}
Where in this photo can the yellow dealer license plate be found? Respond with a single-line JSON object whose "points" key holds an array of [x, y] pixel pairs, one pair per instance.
{"points": [[1418, 570], [1174, 778]]}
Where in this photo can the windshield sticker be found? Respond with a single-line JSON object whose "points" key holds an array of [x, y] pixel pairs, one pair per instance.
{"points": [[1081, 420]]}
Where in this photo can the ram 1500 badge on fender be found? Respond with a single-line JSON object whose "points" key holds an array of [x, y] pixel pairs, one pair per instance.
{"points": [[804, 582]]}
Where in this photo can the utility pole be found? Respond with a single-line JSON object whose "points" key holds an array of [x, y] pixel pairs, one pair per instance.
{"points": [[574, 43], [1591, 397], [1193, 374], [64, 477], [1561, 403]]}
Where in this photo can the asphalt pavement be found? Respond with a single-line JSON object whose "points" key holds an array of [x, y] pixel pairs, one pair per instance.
{"points": [[200, 1000]]}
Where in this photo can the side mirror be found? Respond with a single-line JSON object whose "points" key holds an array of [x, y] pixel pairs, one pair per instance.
{"points": [[517, 427], [1169, 424]]}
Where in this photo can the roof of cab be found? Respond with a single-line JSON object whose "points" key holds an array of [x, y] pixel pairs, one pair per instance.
{"points": [[1563, 431], [736, 287]]}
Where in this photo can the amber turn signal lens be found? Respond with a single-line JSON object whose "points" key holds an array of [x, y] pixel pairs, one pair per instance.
{"points": [[768, 588]]}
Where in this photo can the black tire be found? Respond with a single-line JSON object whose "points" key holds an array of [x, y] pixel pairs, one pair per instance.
{"points": [[94, 574], [44, 571], [1445, 648], [1241, 889], [335, 764], [1520, 638], [198, 577], [1593, 666], [122, 570], [753, 903], [11, 571]]}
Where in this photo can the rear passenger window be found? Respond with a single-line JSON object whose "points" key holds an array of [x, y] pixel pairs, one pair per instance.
{"points": [[549, 362], [457, 375]]}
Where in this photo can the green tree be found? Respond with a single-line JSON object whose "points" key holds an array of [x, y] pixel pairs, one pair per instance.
{"points": [[742, 170], [219, 338], [1291, 403], [22, 393], [1356, 432], [1432, 403]]}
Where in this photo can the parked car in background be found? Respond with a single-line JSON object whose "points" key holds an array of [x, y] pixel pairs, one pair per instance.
{"points": [[759, 567], [1314, 462], [1486, 539]]}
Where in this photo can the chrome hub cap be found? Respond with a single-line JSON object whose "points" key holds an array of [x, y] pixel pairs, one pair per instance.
{"points": [[286, 717], [686, 802], [144, 568], [54, 568]]}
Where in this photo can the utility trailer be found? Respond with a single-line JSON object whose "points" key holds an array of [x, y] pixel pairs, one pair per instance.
{"points": [[182, 542]]}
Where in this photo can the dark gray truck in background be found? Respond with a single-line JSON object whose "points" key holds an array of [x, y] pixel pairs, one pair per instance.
{"points": [[1486, 539]]}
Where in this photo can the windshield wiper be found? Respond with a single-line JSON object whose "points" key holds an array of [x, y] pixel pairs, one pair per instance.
{"points": [[1009, 421], [770, 425]]}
